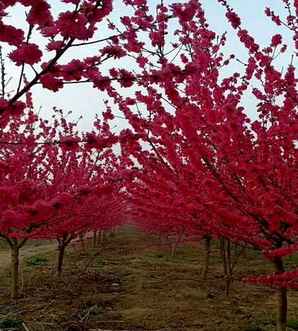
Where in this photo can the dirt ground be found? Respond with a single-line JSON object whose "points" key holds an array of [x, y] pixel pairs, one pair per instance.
{"points": [[132, 282]]}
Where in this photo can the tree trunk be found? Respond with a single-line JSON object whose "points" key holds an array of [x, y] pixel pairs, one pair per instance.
{"points": [[114, 231], [223, 255], [173, 249], [207, 256], [61, 251], [94, 239], [282, 300], [101, 237], [14, 272], [228, 285], [81, 236], [225, 251]]}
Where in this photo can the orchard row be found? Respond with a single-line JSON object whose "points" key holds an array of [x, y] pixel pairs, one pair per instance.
{"points": [[194, 159]]}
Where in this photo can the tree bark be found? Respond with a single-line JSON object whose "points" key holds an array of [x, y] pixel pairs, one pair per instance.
{"points": [[282, 300], [94, 239], [225, 250], [173, 249], [223, 255], [81, 236], [207, 256], [14, 272], [101, 237], [61, 251]]}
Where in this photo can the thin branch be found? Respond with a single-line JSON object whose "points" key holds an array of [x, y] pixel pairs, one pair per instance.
{"points": [[23, 64], [101, 40], [37, 77], [2, 69]]}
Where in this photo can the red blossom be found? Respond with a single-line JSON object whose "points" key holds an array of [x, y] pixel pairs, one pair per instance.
{"points": [[114, 51], [26, 53], [55, 45], [11, 35], [40, 14], [70, 142], [234, 19], [50, 82], [74, 25], [276, 40]]}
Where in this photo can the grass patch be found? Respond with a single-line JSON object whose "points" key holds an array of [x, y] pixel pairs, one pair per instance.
{"points": [[3, 244], [10, 324], [292, 260], [254, 328]]}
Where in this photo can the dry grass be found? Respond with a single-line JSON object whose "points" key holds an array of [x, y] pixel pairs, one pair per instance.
{"points": [[132, 283]]}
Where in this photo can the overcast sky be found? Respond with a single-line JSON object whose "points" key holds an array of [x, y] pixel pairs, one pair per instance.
{"points": [[84, 100]]}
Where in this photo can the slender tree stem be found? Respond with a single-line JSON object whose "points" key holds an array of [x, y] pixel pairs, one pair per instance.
{"points": [[282, 299]]}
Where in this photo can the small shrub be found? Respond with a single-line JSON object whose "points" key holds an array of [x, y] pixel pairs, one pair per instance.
{"points": [[36, 261], [160, 255], [293, 324], [99, 260]]}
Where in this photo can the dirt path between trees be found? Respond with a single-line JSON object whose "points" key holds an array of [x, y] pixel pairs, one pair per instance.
{"points": [[131, 282]]}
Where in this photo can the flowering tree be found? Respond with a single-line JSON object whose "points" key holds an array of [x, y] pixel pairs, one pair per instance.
{"points": [[55, 184], [25, 200], [247, 169], [86, 176], [163, 200], [36, 49]]}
